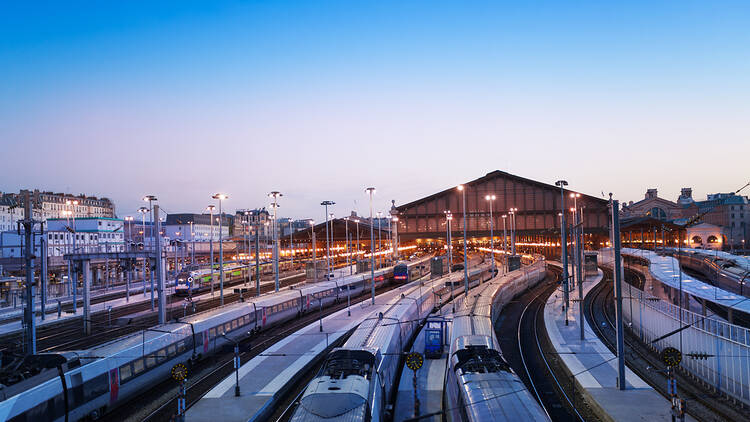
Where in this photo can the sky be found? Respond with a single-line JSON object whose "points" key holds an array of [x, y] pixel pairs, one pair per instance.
{"points": [[321, 99]]}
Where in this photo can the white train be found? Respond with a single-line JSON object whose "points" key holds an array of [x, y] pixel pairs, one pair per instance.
{"points": [[480, 385], [86, 384], [358, 380]]}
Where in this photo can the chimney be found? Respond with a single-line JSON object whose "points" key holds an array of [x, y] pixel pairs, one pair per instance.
{"points": [[651, 193]]}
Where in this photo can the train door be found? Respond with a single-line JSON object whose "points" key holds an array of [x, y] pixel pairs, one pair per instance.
{"points": [[205, 341], [114, 385]]}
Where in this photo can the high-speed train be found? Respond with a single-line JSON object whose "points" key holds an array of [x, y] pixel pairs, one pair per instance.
{"points": [[87, 384], [725, 272], [358, 380], [480, 384]]}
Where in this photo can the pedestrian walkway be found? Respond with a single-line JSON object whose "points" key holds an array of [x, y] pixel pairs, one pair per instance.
{"points": [[594, 367]]}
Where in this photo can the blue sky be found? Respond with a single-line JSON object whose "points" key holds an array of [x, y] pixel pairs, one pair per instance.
{"points": [[321, 99]]}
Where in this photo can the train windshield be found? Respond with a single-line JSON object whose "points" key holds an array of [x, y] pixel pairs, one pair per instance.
{"points": [[343, 363], [480, 359]]}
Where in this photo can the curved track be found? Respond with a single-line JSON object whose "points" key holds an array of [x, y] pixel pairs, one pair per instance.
{"points": [[702, 404], [523, 340]]}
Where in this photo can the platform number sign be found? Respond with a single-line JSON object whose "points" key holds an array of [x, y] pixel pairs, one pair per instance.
{"points": [[179, 372], [671, 356], [414, 361]]}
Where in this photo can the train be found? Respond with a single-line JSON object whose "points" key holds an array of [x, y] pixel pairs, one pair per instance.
{"points": [[480, 384], [404, 273], [724, 272], [357, 381], [87, 384], [193, 280]]}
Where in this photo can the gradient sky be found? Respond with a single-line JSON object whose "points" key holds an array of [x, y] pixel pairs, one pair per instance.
{"points": [[321, 99]]}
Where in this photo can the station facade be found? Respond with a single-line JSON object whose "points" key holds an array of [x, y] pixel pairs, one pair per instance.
{"points": [[537, 218]]}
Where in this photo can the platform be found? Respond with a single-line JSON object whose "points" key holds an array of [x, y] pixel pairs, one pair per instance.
{"points": [[594, 367], [267, 376], [430, 383]]}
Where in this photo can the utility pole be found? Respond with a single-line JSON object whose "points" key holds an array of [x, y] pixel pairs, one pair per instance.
{"points": [[580, 271], [44, 273], [257, 257], [29, 320], [618, 295], [210, 210], [466, 262], [371, 191], [328, 246], [314, 254], [159, 267], [564, 246], [275, 195]]}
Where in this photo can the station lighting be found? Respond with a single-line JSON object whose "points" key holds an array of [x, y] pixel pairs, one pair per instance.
{"points": [[491, 199], [466, 264], [371, 191], [275, 195], [220, 197]]}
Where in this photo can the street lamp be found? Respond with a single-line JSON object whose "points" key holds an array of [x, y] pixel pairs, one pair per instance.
{"points": [[275, 195], [490, 199], [328, 245], [356, 220], [380, 242], [466, 264], [150, 199], [512, 213], [448, 219], [371, 191], [314, 253], [220, 197], [563, 241], [210, 210], [505, 242], [348, 250], [143, 211]]}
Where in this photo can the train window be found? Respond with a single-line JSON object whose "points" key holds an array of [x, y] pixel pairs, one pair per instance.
{"points": [[234, 324], [126, 372], [227, 327], [161, 355], [150, 360], [96, 387], [171, 350], [180, 346], [212, 333], [137, 366]]}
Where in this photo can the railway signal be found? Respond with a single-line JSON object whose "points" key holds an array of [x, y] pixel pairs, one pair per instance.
{"points": [[672, 357], [414, 361], [179, 374]]}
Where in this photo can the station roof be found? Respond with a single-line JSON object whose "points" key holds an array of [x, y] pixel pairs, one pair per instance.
{"points": [[647, 224]]}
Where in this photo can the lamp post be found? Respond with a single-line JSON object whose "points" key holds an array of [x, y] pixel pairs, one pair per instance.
{"points": [[275, 195], [210, 210], [220, 197], [356, 220], [395, 242], [143, 211], [74, 279], [192, 243], [512, 213], [466, 269], [380, 243], [150, 199], [448, 219], [314, 254], [348, 250], [371, 191], [328, 245], [563, 245], [291, 243], [505, 242], [333, 260], [490, 199]]}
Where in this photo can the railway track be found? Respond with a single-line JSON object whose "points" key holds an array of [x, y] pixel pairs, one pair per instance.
{"points": [[523, 340], [68, 335], [702, 404]]}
